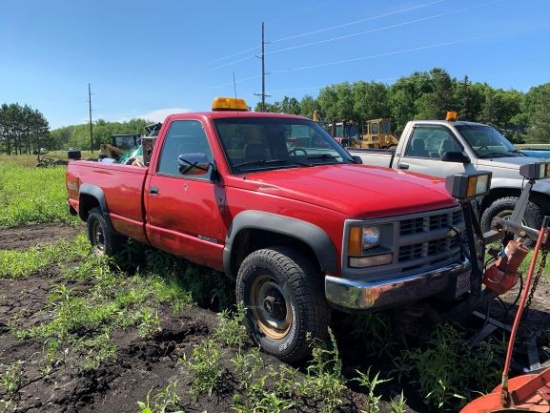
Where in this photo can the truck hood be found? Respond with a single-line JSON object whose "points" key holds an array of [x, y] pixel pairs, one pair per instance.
{"points": [[510, 162], [506, 172], [357, 191]]}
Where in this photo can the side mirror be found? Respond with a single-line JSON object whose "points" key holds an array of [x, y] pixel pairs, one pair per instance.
{"points": [[357, 159], [193, 164], [458, 157]]}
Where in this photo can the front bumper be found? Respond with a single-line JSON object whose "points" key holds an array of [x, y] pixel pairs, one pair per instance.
{"points": [[360, 295]]}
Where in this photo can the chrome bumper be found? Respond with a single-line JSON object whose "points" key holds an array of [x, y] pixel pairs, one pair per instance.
{"points": [[353, 295]]}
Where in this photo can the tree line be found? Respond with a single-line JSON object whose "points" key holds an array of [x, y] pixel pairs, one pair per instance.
{"points": [[522, 117]]}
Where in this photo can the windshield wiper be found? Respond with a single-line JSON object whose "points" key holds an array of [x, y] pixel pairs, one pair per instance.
{"points": [[494, 155], [261, 162], [516, 152], [322, 156], [299, 163]]}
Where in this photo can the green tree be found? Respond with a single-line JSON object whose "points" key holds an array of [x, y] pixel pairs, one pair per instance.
{"points": [[537, 108], [269, 107], [78, 136], [23, 130], [469, 98], [370, 101], [328, 102], [404, 96], [434, 103], [308, 105], [290, 106], [489, 108], [337, 102]]}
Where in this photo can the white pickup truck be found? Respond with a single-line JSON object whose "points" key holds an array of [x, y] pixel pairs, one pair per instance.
{"points": [[442, 148]]}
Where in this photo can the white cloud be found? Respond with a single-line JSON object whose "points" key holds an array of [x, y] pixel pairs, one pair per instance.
{"points": [[160, 115]]}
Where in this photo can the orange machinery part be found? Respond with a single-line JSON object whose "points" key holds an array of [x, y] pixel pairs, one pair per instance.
{"points": [[503, 275], [529, 392]]}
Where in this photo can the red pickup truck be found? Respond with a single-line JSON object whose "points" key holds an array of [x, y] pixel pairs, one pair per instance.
{"points": [[284, 210]]}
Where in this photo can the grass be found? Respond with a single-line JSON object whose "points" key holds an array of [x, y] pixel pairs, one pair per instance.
{"points": [[20, 264], [32, 195]]}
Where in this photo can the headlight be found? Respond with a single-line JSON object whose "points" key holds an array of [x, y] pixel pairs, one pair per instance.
{"points": [[362, 238], [365, 246], [371, 237]]}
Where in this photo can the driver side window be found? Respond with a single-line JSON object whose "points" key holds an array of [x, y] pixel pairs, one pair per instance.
{"points": [[186, 151]]}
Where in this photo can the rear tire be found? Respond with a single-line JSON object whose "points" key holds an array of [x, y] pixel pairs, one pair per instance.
{"points": [[104, 241], [282, 293]]}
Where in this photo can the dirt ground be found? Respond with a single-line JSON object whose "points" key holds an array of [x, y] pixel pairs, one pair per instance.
{"points": [[143, 365]]}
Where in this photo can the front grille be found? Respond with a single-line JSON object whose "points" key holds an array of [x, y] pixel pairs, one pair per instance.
{"points": [[420, 242], [431, 222], [430, 237]]}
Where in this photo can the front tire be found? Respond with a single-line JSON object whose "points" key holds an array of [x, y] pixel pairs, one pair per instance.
{"points": [[103, 240], [503, 208], [282, 293]]}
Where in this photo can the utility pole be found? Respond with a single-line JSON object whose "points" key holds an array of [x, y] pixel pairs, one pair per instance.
{"points": [[263, 95], [91, 124]]}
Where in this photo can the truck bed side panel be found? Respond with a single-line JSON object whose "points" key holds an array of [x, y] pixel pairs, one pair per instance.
{"points": [[122, 187], [376, 157]]}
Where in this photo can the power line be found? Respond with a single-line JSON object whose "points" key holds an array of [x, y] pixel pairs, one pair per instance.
{"points": [[415, 49], [248, 50], [358, 21], [347, 36]]}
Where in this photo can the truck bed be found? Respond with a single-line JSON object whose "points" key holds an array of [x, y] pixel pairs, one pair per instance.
{"points": [[122, 185]]}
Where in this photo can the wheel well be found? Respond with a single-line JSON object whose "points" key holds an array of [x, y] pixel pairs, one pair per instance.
{"points": [[249, 240], [496, 194], [86, 204], [536, 197]]}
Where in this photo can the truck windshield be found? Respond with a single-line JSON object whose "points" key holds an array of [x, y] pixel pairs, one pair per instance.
{"points": [[256, 144], [487, 142]]}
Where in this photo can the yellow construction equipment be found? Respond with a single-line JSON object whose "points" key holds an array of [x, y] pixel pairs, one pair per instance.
{"points": [[377, 134], [374, 134]]}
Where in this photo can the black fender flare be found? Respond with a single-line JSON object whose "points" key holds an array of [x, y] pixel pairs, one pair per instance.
{"points": [[313, 236], [97, 193]]}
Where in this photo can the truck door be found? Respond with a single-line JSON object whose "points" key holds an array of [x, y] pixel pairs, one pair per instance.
{"points": [[183, 205], [426, 146]]}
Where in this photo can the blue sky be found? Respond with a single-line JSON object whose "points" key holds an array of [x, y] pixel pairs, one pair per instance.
{"points": [[150, 58]]}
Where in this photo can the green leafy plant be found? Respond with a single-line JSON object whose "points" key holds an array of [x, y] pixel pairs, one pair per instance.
{"points": [[94, 352], [398, 404], [324, 378], [149, 324], [163, 401], [205, 365], [231, 329], [12, 377], [447, 370], [373, 400], [376, 332]]}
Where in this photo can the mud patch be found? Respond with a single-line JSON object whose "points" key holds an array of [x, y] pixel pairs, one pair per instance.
{"points": [[24, 237]]}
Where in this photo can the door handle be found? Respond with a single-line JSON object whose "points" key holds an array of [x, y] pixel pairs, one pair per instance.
{"points": [[154, 190], [403, 166]]}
